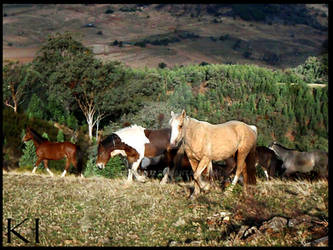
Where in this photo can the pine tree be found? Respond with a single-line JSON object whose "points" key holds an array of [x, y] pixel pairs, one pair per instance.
{"points": [[35, 107], [60, 136], [29, 157]]}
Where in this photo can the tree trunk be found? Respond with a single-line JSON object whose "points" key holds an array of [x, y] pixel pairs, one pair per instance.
{"points": [[97, 127], [90, 121]]}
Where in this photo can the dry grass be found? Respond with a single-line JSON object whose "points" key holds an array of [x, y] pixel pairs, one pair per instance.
{"points": [[102, 212]]}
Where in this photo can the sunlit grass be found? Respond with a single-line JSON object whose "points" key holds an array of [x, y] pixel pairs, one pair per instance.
{"points": [[76, 211]]}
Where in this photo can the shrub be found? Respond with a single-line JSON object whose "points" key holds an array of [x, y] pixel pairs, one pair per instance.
{"points": [[113, 169], [162, 65], [109, 11]]}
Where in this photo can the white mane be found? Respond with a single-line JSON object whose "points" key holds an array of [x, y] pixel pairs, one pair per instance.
{"points": [[134, 137]]}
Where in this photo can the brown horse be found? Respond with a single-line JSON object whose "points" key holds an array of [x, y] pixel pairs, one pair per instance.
{"points": [[46, 150], [205, 142], [267, 159]]}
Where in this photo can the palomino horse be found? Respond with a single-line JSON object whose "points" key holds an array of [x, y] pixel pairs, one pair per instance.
{"points": [[46, 150], [304, 162], [267, 159], [205, 142], [136, 144]]}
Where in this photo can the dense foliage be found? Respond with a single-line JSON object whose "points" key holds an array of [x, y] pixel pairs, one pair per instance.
{"points": [[279, 102]]}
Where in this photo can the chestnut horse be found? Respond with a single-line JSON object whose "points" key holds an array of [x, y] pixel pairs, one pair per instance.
{"points": [[205, 142], [46, 150]]}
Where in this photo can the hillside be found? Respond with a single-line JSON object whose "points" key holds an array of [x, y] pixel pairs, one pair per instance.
{"points": [[103, 212], [275, 35]]}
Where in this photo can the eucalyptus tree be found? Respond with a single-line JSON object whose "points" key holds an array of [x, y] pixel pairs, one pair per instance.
{"points": [[72, 76]]}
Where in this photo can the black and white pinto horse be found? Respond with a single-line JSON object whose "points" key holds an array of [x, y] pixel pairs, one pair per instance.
{"points": [[137, 145], [303, 162]]}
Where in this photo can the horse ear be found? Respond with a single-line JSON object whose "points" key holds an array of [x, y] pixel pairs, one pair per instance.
{"points": [[183, 113], [172, 113]]}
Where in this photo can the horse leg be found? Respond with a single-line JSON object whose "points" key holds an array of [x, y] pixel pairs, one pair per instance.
{"points": [[47, 168], [172, 173], [286, 173], [166, 176], [134, 169], [197, 174], [130, 175], [66, 167], [170, 170], [75, 164], [240, 167], [267, 167], [207, 185], [194, 164], [272, 170], [36, 165]]}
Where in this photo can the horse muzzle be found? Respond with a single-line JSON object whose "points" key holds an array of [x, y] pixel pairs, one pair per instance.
{"points": [[100, 165], [174, 144]]}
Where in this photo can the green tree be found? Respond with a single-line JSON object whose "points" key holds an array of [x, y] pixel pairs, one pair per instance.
{"points": [[60, 136], [16, 80], [35, 108], [73, 75]]}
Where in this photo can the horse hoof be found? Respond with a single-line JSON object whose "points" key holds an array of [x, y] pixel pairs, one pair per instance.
{"points": [[128, 182], [228, 190], [206, 187], [142, 179], [163, 182]]}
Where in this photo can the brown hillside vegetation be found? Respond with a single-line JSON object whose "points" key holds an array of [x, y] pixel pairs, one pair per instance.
{"points": [[27, 26], [107, 212]]}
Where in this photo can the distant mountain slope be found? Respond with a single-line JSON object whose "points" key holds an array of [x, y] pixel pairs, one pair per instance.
{"points": [[274, 35]]}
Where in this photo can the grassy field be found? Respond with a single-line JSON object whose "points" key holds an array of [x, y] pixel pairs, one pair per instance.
{"points": [[76, 211]]}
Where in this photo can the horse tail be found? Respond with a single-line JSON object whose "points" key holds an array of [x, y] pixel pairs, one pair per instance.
{"points": [[250, 166]]}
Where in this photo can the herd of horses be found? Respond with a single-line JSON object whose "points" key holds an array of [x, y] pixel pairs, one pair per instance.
{"points": [[191, 145]]}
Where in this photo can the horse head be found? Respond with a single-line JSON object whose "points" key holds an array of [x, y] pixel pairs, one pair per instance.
{"points": [[109, 147], [103, 152], [27, 136], [270, 146], [176, 122]]}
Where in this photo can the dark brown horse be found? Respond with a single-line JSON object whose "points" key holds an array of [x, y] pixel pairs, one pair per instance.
{"points": [[267, 159], [46, 150]]}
